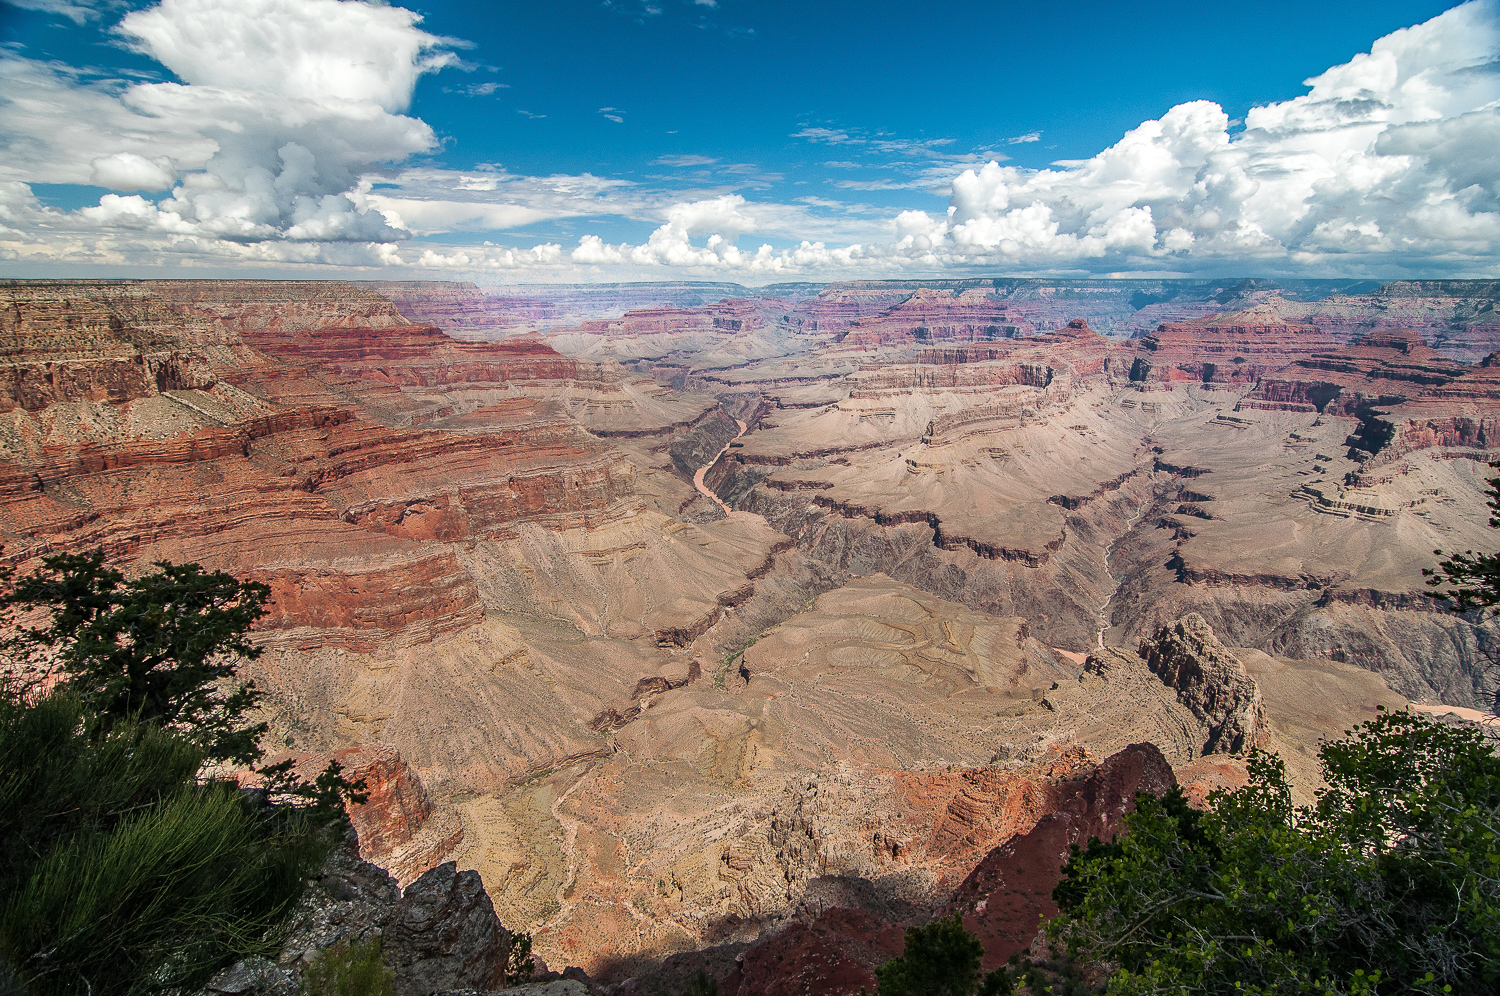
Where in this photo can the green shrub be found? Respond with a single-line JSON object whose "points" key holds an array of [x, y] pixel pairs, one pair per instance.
{"points": [[518, 965], [120, 872], [160, 898], [123, 869], [59, 772], [349, 969], [940, 959], [1389, 884]]}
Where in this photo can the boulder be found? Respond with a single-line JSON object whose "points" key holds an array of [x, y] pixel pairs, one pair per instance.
{"points": [[440, 934], [253, 977], [444, 935]]}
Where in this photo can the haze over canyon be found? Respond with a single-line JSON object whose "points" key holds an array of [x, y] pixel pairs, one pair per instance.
{"points": [[734, 628]]}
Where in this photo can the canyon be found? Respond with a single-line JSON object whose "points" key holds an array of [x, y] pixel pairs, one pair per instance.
{"points": [[733, 628]]}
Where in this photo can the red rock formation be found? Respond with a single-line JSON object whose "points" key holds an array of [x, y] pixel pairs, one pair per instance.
{"points": [[932, 316], [1480, 382], [112, 344], [1005, 898], [972, 809], [397, 827], [1456, 316], [397, 803], [839, 305], [239, 424], [356, 607], [1383, 368], [1227, 351], [1072, 353], [423, 356]]}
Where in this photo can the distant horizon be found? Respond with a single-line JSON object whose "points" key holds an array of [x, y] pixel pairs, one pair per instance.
{"points": [[977, 278]]}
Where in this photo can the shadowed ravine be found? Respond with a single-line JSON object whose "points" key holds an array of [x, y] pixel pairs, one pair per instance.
{"points": [[701, 471]]}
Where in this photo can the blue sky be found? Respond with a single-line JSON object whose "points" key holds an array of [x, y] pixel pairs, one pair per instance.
{"points": [[747, 139]]}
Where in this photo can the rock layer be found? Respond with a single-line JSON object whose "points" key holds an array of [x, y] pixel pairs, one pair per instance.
{"points": [[1210, 681], [660, 725]]}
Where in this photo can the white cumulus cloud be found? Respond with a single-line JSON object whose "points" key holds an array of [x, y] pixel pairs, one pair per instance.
{"points": [[285, 136], [128, 171], [1389, 160], [283, 106], [305, 50], [722, 220]]}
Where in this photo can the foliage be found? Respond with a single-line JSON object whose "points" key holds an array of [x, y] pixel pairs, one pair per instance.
{"points": [[163, 648], [123, 868], [347, 969], [121, 872], [1390, 883], [155, 649], [58, 773], [940, 959], [518, 964], [703, 985]]}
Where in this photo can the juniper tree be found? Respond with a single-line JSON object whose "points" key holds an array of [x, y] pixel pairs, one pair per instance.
{"points": [[126, 866]]}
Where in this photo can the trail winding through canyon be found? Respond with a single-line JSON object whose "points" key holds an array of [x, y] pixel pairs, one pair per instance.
{"points": [[569, 827], [698, 474]]}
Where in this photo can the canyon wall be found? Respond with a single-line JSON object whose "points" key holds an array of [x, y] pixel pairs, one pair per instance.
{"points": [[963, 541]]}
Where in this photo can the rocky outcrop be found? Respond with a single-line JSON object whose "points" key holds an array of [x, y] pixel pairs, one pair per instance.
{"points": [[109, 344], [1456, 316], [1227, 351], [1054, 361], [438, 934], [729, 316], [397, 805], [1382, 368], [1010, 892], [699, 444], [932, 315], [833, 951], [1210, 681], [253, 976], [444, 935], [398, 825]]}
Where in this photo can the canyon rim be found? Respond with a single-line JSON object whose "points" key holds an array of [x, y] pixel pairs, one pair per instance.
{"points": [[760, 517]]}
